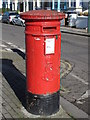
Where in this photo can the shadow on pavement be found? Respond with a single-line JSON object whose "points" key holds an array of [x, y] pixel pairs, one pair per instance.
{"points": [[15, 78], [19, 53]]}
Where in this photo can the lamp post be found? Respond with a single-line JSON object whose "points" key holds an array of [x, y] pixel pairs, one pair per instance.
{"points": [[69, 3], [52, 4], [89, 17], [16, 4], [38, 3], [8, 4], [65, 5], [27, 5], [24, 7], [58, 6]]}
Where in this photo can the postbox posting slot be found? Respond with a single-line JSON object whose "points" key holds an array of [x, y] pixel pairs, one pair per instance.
{"points": [[50, 29]]}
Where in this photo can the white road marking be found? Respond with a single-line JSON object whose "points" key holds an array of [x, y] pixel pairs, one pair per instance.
{"points": [[15, 46], [9, 43], [8, 49], [84, 96], [23, 50], [3, 45], [79, 102], [78, 78]]}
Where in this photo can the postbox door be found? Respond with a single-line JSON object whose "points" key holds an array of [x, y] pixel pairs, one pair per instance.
{"points": [[43, 69]]}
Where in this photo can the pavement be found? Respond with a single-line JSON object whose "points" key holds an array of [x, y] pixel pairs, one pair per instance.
{"points": [[13, 74], [82, 32]]}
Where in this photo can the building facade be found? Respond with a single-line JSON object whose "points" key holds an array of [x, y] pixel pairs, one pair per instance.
{"points": [[59, 5], [0, 3]]}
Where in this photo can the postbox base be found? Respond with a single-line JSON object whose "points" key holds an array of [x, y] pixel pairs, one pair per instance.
{"points": [[43, 104]]}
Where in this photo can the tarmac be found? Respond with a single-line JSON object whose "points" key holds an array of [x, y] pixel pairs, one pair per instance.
{"points": [[13, 80]]}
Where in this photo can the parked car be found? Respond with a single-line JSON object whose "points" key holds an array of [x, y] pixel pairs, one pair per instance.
{"points": [[72, 19], [18, 21], [0, 17], [82, 22], [8, 16]]}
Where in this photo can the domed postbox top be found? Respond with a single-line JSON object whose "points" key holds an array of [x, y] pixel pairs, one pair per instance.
{"points": [[42, 15]]}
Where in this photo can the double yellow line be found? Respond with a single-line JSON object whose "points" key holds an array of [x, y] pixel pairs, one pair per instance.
{"points": [[66, 66]]}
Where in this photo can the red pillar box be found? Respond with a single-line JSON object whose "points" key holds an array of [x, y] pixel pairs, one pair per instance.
{"points": [[43, 50]]}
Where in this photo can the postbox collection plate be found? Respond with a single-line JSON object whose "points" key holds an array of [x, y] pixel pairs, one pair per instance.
{"points": [[49, 46]]}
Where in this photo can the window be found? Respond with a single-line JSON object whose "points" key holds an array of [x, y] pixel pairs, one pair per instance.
{"points": [[73, 4]]}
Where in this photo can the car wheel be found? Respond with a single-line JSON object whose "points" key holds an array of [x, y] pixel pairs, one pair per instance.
{"points": [[2, 21], [22, 24], [8, 22], [13, 23]]}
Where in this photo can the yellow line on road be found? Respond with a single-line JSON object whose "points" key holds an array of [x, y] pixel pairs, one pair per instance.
{"points": [[65, 63]]}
